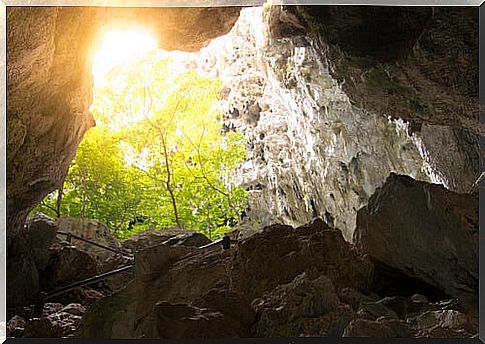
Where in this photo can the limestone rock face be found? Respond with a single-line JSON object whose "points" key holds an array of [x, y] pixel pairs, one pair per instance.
{"points": [[422, 61], [313, 150], [49, 84], [424, 231], [49, 93], [310, 88]]}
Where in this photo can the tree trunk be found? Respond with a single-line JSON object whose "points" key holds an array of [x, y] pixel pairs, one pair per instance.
{"points": [[168, 183]]}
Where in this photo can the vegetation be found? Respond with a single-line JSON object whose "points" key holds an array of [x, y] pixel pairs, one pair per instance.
{"points": [[157, 157]]}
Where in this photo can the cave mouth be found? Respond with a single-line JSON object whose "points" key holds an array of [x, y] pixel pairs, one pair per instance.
{"points": [[158, 156]]}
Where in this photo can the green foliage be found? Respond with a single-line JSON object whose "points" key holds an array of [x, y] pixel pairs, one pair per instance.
{"points": [[157, 152]]}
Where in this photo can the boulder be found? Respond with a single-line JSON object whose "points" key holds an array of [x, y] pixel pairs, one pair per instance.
{"points": [[182, 321], [425, 232], [27, 255], [74, 309], [67, 265], [42, 231], [188, 239], [66, 322], [42, 328], [280, 253], [149, 238], [22, 281], [284, 311]]}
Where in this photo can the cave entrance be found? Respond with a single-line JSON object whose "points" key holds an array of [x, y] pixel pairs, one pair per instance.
{"points": [[157, 157]]}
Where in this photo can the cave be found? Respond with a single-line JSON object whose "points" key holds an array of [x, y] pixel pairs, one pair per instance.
{"points": [[362, 174]]}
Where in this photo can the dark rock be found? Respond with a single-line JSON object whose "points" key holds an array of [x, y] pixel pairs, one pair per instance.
{"points": [[405, 307], [233, 305], [51, 308], [382, 328], [445, 324], [449, 319], [181, 321], [418, 298], [15, 327], [42, 232], [375, 310], [150, 238], [188, 239], [280, 253], [354, 298], [42, 328], [283, 311], [112, 263], [68, 265], [27, 254], [74, 309], [433, 237], [22, 281], [66, 322]]}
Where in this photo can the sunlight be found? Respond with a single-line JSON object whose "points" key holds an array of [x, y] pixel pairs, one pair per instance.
{"points": [[121, 47]]}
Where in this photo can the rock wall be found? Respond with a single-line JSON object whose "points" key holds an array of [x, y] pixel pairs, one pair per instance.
{"points": [[313, 149], [330, 101]]}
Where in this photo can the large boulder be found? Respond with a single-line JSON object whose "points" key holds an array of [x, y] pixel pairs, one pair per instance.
{"points": [[67, 265], [425, 232], [42, 232], [381, 328], [27, 254], [280, 253]]}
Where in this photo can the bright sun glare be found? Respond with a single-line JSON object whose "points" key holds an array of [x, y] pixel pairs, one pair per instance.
{"points": [[121, 47]]}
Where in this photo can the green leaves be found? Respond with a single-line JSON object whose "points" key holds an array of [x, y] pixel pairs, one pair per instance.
{"points": [[158, 152]]}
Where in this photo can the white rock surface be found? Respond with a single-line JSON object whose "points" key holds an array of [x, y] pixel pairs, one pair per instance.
{"points": [[311, 152]]}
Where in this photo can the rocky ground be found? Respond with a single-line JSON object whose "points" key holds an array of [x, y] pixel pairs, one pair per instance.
{"points": [[412, 272]]}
